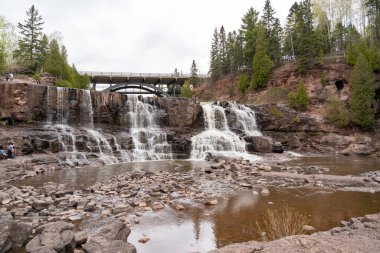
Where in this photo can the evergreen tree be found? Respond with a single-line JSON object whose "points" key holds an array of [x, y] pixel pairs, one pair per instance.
{"points": [[243, 82], [176, 73], [215, 63], [306, 50], [373, 13], [223, 51], [362, 93], [194, 79], [273, 30], [42, 51], [262, 64], [29, 44], [54, 62], [248, 29], [291, 36], [186, 91], [339, 37], [299, 100]]}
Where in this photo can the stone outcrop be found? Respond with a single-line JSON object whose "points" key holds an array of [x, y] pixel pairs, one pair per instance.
{"points": [[357, 235]]}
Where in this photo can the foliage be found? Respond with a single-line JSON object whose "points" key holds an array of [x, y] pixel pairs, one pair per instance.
{"points": [[299, 100], [362, 93], [186, 91], [337, 113], [371, 53], [29, 50], [277, 224], [243, 82], [262, 64]]}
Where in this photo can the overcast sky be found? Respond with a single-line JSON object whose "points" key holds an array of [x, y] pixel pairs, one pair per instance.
{"points": [[139, 35]]}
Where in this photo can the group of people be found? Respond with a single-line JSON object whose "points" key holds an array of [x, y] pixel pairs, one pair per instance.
{"points": [[9, 77], [9, 153]]}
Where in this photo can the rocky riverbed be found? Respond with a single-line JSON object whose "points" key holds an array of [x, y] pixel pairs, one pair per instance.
{"points": [[126, 197]]}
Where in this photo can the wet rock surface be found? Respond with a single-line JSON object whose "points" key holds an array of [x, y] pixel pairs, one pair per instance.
{"points": [[356, 235]]}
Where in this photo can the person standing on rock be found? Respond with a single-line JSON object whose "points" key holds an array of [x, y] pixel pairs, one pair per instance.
{"points": [[11, 151], [10, 120], [6, 77], [11, 77], [3, 154]]}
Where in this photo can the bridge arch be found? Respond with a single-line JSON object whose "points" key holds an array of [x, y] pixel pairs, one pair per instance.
{"points": [[143, 86]]}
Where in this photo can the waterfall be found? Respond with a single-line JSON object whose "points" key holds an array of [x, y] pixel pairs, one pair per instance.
{"points": [[49, 105], [86, 112], [150, 142], [218, 138], [62, 105]]}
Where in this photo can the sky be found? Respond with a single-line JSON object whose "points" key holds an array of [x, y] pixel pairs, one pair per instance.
{"points": [[142, 36]]}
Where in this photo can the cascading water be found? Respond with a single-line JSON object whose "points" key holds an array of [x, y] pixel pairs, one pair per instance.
{"points": [[150, 142], [218, 137]]}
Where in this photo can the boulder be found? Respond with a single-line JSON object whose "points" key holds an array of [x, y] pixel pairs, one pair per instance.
{"points": [[13, 234], [53, 237], [262, 144], [107, 235]]}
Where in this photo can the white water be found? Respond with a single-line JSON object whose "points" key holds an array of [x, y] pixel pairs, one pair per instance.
{"points": [[150, 142], [218, 138]]}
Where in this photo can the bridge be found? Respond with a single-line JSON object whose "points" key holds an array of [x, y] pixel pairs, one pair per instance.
{"points": [[160, 84]]}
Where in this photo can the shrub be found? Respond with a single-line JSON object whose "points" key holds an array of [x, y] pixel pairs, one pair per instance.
{"points": [[323, 78], [186, 91], [299, 100], [337, 113], [275, 112], [281, 223], [243, 82]]}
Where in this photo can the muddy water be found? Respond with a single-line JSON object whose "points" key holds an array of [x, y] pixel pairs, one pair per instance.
{"points": [[339, 165], [200, 228], [78, 178], [233, 220]]}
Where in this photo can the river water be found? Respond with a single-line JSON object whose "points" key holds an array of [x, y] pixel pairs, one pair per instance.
{"points": [[200, 228]]}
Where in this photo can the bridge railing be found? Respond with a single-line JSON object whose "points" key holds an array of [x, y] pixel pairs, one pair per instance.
{"points": [[132, 74]]}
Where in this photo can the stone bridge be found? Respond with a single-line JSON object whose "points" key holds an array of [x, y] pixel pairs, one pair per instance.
{"points": [[160, 84]]}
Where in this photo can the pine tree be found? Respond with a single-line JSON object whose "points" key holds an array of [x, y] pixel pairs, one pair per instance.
{"points": [[215, 63], [248, 29], [42, 51], [262, 64], [223, 50], [291, 36], [29, 44], [362, 93], [306, 50], [176, 73], [273, 30], [373, 14], [194, 79], [299, 100]]}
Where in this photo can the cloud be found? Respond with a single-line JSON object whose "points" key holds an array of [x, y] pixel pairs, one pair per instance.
{"points": [[140, 35]]}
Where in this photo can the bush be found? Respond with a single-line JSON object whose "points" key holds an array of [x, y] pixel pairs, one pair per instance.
{"points": [[186, 91], [337, 113], [243, 82], [277, 224], [299, 100], [275, 112], [323, 78]]}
